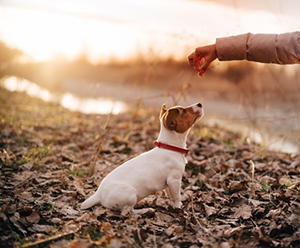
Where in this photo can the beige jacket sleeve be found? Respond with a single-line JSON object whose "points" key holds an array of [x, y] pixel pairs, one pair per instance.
{"points": [[266, 48]]}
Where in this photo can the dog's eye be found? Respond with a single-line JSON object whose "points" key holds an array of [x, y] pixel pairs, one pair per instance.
{"points": [[184, 111]]}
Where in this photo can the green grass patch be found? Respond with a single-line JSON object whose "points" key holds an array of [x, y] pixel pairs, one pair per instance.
{"points": [[33, 155], [267, 187], [94, 232], [82, 172]]}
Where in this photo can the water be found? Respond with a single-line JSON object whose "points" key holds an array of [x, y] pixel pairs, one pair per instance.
{"points": [[67, 100], [268, 135], [274, 134]]}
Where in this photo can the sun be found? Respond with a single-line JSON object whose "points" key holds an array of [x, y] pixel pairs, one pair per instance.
{"points": [[43, 33]]}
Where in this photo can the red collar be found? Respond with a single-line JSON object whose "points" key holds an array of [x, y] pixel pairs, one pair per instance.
{"points": [[169, 147]]}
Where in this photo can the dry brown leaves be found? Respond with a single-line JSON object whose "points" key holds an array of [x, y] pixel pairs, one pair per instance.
{"points": [[235, 193]]}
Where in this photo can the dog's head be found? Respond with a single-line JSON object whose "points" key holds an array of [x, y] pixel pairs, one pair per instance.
{"points": [[180, 119]]}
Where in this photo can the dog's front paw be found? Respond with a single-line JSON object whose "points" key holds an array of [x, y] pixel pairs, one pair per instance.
{"points": [[176, 204]]}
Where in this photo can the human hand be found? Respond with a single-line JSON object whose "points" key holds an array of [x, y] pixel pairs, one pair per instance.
{"points": [[206, 53]]}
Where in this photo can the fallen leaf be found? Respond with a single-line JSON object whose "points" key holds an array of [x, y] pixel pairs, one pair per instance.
{"points": [[33, 218], [210, 210], [235, 186], [243, 211]]}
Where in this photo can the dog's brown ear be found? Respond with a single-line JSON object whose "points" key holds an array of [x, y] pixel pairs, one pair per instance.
{"points": [[162, 110], [169, 120]]}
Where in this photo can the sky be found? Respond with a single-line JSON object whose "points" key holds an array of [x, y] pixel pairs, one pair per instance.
{"points": [[120, 29]]}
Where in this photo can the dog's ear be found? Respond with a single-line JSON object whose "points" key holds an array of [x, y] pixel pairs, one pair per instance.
{"points": [[169, 120], [162, 110]]}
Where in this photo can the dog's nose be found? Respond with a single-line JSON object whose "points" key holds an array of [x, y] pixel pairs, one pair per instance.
{"points": [[199, 105]]}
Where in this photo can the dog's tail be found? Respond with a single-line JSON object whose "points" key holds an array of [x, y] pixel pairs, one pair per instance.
{"points": [[93, 200]]}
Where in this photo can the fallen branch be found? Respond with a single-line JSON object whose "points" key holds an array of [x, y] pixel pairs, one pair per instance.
{"points": [[44, 241]]}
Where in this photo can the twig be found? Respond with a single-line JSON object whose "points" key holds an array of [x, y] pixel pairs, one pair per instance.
{"points": [[198, 222], [260, 235], [102, 140], [253, 170], [132, 243], [36, 243]]}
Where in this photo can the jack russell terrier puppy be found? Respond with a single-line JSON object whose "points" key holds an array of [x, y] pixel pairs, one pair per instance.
{"points": [[158, 169]]}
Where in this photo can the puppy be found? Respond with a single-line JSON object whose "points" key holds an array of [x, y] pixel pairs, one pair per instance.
{"points": [[155, 170]]}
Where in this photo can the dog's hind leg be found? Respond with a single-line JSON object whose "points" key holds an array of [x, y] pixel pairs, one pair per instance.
{"points": [[128, 211], [143, 210], [120, 196]]}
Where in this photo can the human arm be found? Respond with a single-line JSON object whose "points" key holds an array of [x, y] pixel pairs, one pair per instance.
{"points": [[266, 48]]}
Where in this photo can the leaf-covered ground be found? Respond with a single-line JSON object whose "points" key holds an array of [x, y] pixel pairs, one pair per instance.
{"points": [[235, 193]]}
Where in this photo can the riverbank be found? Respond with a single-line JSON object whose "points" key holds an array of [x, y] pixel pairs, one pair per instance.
{"points": [[234, 192]]}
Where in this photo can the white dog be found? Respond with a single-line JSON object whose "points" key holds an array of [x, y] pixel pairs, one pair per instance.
{"points": [[155, 170]]}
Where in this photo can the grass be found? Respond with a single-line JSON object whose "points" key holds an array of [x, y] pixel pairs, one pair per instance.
{"points": [[94, 233], [23, 160], [40, 152], [34, 155], [267, 187], [17, 236], [47, 206], [82, 172]]}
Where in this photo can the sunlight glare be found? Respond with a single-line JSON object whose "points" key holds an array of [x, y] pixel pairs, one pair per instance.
{"points": [[22, 85], [96, 106], [67, 100]]}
